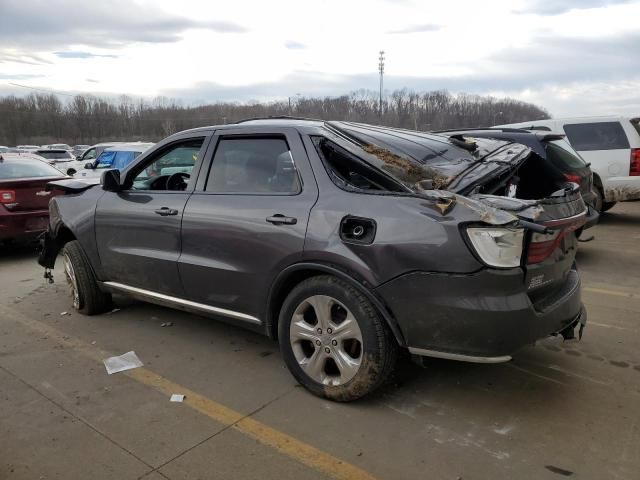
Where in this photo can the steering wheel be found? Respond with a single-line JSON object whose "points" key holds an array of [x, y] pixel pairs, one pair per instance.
{"points": [[177, 181]]}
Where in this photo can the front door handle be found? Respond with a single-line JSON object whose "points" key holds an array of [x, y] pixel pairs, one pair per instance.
{"points": [[279, 219], [166, 211]]}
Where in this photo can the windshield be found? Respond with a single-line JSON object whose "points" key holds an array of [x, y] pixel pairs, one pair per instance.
{"points": [[65, 156], [25, 168], [561, 152], [115, 159]]}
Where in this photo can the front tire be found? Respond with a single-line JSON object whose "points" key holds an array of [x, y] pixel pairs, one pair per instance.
{"points": [[334, 341], [87, 296]]}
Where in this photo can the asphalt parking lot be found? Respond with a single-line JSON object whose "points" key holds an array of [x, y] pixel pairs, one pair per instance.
{"points": [[557, 410]]}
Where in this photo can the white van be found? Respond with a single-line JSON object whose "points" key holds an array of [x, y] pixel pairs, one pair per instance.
{"points": [[611, 145]]}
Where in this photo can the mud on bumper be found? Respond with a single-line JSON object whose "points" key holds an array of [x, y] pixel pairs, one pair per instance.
{"points": [[485, 316]]}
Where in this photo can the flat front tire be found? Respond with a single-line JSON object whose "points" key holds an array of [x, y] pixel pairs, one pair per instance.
{"points": [[86, 296], [334, 341]]}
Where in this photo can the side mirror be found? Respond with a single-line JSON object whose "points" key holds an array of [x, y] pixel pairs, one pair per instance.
{"points": [[111, 181], [88, 165]]}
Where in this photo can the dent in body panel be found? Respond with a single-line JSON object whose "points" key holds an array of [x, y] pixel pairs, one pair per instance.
{"points": [[77, 213], [411, 235]]}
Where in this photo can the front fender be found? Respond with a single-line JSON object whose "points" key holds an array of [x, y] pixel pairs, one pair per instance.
{"points": [[72, 217]]}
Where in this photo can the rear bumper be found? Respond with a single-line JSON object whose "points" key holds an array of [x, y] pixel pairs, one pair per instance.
{"points": [[18, 225], [487, 315], [592, 217], [620, 189]]}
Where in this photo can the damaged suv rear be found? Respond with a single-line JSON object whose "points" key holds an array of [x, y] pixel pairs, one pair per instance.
{"points": [[344, 241]]}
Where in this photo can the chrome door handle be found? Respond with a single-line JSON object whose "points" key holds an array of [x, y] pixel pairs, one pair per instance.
{"points": [[279, 219], [166, 211]]}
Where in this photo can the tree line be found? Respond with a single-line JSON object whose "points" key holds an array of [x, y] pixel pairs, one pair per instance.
{"points": [[86, 119]]}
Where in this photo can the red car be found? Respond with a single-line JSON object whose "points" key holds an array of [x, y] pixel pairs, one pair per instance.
{"points": [[24, 203]]}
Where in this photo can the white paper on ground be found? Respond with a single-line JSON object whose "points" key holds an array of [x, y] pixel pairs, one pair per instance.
{"points": [[126, 361], [176, 397]]}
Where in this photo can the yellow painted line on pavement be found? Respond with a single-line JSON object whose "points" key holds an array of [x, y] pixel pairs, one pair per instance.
{"points": [[286, 444], [617, 293]]}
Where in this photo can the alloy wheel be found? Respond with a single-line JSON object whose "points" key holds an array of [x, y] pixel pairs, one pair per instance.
{"points": [[326, 340], [71, 279]]}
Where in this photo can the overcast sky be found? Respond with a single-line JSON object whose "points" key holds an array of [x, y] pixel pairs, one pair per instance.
{"points": [[573, 57]]}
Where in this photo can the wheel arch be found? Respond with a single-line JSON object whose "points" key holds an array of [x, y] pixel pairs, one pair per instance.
{"points": [[294, 274]]}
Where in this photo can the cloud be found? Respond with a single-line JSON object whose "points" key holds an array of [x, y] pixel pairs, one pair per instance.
{"points": [[78, 54], [92, 80], [293, 45], [13, 56], [19, 76], [558, 7], [40, 25], [427, 27]]}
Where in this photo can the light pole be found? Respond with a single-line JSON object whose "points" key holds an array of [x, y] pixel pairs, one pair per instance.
{"points": [[381, 70]]}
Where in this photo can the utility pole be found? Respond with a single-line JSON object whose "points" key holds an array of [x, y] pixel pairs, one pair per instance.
{"points": [[381, 70]]}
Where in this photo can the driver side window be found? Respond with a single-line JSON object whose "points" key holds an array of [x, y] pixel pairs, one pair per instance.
{"points": [[171, 168]]}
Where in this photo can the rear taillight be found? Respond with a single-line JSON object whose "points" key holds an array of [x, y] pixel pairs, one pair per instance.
{"points": [[7, 196], [573, 177], [542, 246], [634, 166]]}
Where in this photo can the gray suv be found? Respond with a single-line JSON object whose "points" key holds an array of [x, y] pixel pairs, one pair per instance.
{"points": [[346, 242]]}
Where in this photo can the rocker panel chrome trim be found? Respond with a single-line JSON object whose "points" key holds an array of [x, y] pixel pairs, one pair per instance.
{"points": [[161, 297]]}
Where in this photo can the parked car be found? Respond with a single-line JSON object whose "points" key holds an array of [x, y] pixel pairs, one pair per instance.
{"points": [[611, 145], [113, 157], [557, 160], [56, 157], [78, 150], [94, 152], [57, 146], [344, 241], [3, 149], [24, 202], [27, 147]]}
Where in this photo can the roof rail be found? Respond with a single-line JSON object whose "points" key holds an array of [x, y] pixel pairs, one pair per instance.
{"points": [[278, 117], [476, 129]]}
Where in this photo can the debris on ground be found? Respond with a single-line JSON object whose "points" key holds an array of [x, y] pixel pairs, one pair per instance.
{"points": [[62, 314], [177, 397], [166, 324], [114, 311], [126, 361], [93, 343]]}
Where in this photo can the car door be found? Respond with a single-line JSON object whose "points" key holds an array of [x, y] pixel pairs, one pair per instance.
{"points": [[247, 219], [138, 229]]}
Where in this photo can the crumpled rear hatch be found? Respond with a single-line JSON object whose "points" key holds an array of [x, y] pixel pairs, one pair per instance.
{"points": [[490, 174]]}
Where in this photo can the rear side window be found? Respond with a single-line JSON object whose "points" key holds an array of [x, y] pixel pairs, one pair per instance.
{"points": [[24, 168], [562, 154], [597, 136], [253, 166]]}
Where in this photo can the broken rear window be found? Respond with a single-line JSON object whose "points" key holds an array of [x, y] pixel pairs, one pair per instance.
{"points": [[349, 172]]}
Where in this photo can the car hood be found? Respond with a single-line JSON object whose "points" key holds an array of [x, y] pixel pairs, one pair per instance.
{"points": [[73, 185]]}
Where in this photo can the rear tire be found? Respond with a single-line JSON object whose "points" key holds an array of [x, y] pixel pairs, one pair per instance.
{"points": [[606, 206], [334, 341], [85, 293], [598, 199]]}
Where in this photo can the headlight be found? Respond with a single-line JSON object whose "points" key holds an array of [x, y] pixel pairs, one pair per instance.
{"points": [[497, 247]]}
